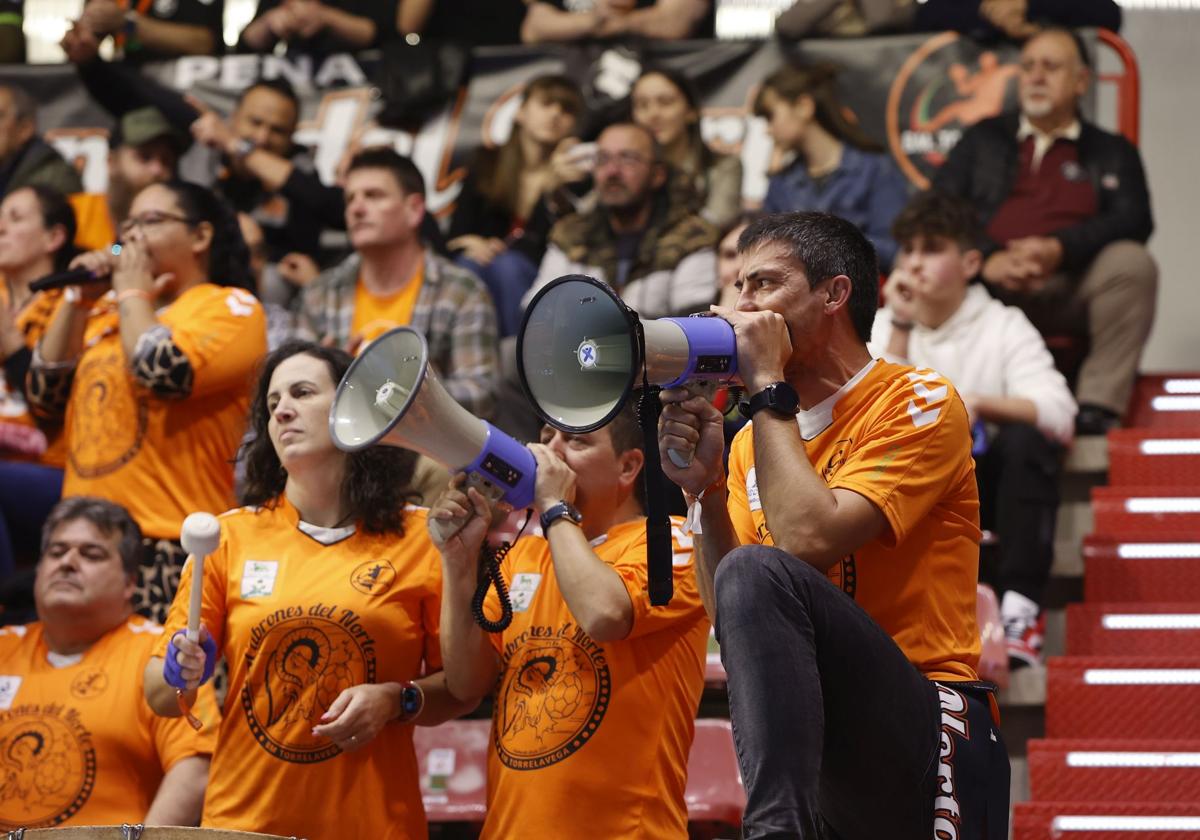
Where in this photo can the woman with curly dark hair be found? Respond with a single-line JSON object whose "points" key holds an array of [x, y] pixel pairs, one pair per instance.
{"points": [[323, 596], [150, 369]]}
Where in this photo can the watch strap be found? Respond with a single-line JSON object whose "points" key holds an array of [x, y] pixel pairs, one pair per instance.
{"points": [[562, 510]]}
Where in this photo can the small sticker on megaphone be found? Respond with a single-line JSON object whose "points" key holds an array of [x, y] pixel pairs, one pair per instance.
{"points": [[589, 356]]}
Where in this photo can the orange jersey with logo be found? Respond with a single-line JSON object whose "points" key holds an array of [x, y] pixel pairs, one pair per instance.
{"points": [[32, 321], [899, 437], [164, 458], [298, 621], [589, 738], [374, 315], [78, 744]]}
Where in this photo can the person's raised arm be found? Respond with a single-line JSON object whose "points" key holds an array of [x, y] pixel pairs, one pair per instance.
{"points": [[174, 38], [356, 31], [667, 20], [545, 23]]}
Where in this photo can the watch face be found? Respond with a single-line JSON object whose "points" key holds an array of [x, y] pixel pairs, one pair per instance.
{"points": [[785, 398], [410, 700]]}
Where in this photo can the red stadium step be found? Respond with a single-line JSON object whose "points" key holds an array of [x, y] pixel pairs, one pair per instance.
{"points": [[1096, 821], [1170, 512], [453, 768], [1154, 457], [1165, 401], [1088, 770], [1148, 568], [1134, 697], [1133, 629]]}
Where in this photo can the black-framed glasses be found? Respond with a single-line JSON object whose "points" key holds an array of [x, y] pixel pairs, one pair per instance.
{"points": [[151, 219]]}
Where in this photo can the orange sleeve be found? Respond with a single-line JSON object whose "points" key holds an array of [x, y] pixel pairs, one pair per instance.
{"points": [[909, 452], [223, 335], [212, 609], [741, 461], [685, 601]]}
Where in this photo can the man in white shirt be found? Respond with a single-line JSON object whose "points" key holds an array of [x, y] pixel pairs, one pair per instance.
{"points": [[1020, 406]]}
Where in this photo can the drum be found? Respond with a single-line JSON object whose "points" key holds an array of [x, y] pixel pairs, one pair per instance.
{"points": [[134, 832]]}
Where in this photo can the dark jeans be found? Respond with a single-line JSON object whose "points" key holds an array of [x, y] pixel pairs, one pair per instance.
{"points": [[1018, 500], [838, 735], [28, 492]]}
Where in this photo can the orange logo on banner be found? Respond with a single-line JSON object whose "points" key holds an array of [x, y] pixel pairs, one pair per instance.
{"points": [[47, 766], [554, 695], [928, 107]]}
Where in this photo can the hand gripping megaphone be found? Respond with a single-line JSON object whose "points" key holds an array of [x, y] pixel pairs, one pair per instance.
{"points": [[391, 395], [581, 351]]}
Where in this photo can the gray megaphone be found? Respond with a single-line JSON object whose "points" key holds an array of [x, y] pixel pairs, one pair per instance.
{"points": [[391, 395], [581, 352]]}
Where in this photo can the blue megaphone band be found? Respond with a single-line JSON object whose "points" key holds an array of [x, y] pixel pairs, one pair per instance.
{"points": [[712, 350], [508, 465]]}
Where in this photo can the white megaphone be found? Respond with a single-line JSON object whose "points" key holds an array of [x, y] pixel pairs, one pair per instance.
{"points": [[391, 395], [581, 352]]}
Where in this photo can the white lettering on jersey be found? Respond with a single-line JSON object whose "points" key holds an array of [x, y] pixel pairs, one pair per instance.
{"points": [[928, 396], [752, 489]]}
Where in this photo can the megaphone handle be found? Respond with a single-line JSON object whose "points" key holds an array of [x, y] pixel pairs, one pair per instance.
{"points": [[680, 460]]}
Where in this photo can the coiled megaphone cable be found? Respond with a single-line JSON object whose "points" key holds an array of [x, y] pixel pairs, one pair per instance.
{"points": [[489, 576]]}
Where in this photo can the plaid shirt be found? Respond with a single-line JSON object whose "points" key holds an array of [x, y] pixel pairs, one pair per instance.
{"points": [[453, 311]]}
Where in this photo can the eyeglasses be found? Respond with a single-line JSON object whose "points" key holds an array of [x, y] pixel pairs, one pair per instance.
{"points": [[625, 160], [151, 219]]}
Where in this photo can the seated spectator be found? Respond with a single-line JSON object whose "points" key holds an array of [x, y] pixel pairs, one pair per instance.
{"points": [[37, 228], [393, 279], [479, 23], [317, 29], [143, 149], [281, 321], [1066, 212], [25, 157], [844, 18], [834, 167], [729, 261], [88, 750], [152, 376], [513, 194], [1019, 404], [148, 31], [1017, 19], [651, 248], [577, 20], [666, 103]]}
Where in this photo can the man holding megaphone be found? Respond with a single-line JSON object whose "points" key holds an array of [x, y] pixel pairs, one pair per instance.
{"points": [[838, 558], [597, 690]]}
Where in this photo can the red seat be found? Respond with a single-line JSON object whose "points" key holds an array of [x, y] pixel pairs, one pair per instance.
{"points": [[1089, 770], [715, 795], [1154, 457], [1136, 697], [1165, 401], [1171, 513], [1133, 629], [1059, 821], [1141, 567]]}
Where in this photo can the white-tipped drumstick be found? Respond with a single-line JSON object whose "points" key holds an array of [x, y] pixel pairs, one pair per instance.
{"points": [[199, 536]]}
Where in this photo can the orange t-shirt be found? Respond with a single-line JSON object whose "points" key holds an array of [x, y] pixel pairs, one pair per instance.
{"points": [[94, 228], [298, 621], [588, 738], [32, 321], [165, 458], [79, 745], [898, 437], [375, 315]]}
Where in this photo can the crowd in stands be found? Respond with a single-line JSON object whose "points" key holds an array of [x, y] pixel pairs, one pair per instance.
{"points": [[127, 400]]}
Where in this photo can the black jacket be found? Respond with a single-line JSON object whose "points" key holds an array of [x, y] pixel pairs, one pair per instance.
{"points": [[982, 168]]}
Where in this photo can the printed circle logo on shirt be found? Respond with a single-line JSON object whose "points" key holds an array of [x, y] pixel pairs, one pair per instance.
{"points": [[553, 698], [942, 89], [47, 766], [373, 577], [300, 660], [91, 683], [109, 422]]}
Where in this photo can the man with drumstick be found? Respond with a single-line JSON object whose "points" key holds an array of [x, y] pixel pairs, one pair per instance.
{"points": [[79, 745]]}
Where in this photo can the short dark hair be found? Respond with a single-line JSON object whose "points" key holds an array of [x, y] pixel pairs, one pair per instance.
{"points": [[280, 85], [403, 169], [825, 246], [933, 213], [556, 88], [656, 151], [378, 480], [625, 431], [109, 517], [57, 211]]}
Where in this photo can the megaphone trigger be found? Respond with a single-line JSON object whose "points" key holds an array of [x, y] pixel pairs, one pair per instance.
{"points": [[683, 461]]}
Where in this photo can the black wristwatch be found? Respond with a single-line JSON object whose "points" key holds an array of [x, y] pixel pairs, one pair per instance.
{"points": [[780, 397], [562, 510], [412, 700]]}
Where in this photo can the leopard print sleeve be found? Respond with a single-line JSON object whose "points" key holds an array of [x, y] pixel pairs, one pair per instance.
{"points": [[160, 365], [48, 387]]}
